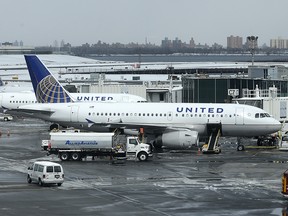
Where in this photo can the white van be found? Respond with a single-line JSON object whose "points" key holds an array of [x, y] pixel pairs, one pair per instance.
{"points": [[45, 172]]}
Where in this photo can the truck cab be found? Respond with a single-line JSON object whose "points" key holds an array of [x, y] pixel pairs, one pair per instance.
{"points": [[141, 150]]}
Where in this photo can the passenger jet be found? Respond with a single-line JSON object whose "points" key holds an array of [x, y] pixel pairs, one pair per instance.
{"points": [[11, 100], [174, 125]]}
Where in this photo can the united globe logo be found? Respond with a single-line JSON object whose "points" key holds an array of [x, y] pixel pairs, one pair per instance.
{"points": [[50, 91]]}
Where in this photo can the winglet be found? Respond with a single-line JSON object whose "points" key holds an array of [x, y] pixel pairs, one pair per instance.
{"points": [[46, 87], [90, 123]]}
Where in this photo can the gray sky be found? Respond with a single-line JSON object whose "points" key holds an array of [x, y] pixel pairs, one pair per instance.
{"points": [[39, 22]]}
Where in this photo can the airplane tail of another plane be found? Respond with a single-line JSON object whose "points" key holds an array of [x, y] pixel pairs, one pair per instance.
{"points": [[46, 87]]}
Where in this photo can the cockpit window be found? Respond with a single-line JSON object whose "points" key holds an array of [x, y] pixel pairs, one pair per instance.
{"points": [[262, 115]]}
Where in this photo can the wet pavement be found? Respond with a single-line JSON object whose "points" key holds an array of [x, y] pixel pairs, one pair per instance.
{"points": [[170, 183]]}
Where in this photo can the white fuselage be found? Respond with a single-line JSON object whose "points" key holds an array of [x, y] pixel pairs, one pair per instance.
{"points": [[12, 100], [235, 119]]}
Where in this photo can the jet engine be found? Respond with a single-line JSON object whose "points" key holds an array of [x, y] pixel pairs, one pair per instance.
{"points": [[178, 139]]}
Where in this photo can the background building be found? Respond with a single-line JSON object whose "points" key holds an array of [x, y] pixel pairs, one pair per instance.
{"points": [[215, 90], [279, 43], [234, 42]]}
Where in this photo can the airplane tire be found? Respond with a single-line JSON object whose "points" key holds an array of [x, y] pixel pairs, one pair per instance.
{"points": [[240, 148], [54, 126]]}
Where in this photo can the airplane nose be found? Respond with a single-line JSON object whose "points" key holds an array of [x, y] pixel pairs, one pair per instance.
{"points": [[277, 126]]}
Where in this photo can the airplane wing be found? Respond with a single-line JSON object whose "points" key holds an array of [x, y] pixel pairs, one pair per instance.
{"points": [[31, 112], [153, 128]]}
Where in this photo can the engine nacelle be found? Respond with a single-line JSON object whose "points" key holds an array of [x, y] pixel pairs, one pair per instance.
{"points": [[179, 139]]}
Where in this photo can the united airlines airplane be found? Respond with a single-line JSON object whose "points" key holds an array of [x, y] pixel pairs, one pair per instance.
{"points": [[42, 80], [174, 125], [12, 100]]}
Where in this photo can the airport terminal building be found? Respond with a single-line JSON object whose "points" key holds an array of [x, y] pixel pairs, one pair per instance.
{"points": [[209, 89]]}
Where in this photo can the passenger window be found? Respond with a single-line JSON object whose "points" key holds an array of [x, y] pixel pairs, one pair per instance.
{"points": [[262, 115], [36, 167], [257, 115], [57, 169], [40, 168], [49, 169]]}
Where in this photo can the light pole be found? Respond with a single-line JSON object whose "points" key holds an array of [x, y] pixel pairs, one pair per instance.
{"points": [[252, 45]]}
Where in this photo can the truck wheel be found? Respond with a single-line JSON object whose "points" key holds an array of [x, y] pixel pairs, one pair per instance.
{"points": [[64, 156], [5, 119], [29, 180], [75, 156], [240, 148], [142, 156], [59, 184]]}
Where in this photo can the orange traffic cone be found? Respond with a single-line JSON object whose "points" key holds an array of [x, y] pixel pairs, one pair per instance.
{"points": [[199, 151]]}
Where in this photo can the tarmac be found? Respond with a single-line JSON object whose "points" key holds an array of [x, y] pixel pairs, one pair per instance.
{"points": [[170, 183]]}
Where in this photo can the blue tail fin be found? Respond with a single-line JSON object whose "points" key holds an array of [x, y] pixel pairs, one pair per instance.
{"points": [[46, 87]]}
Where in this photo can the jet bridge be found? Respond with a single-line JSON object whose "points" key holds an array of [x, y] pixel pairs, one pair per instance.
{"points": [[215, 132]]}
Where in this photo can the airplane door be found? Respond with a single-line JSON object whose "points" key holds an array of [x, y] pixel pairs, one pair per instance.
{"points": [[74, 113], [125, 99], [239, 116]]}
